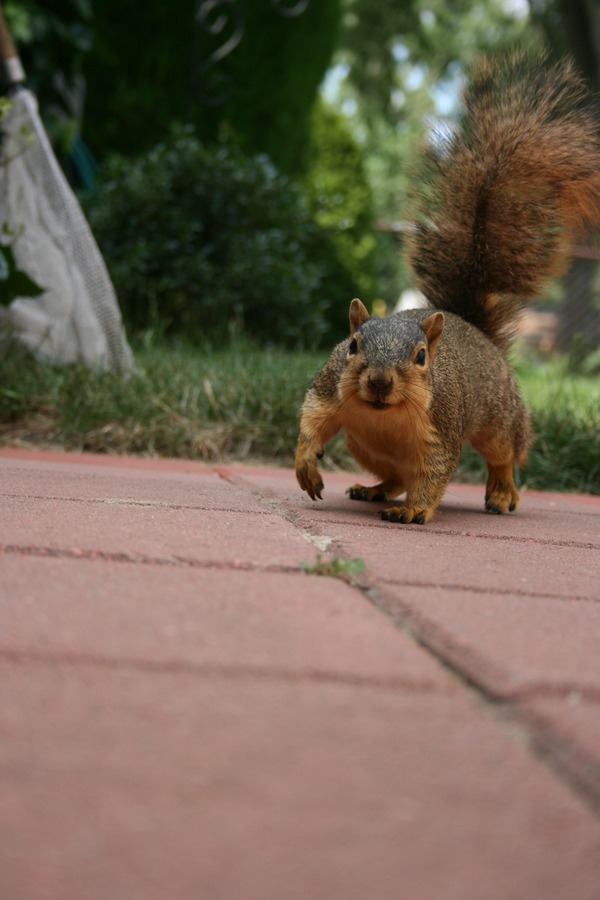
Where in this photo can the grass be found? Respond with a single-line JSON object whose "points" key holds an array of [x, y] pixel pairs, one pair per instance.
{"points": [[335, 567], [243, 403], [181, 401], [566, 422]]}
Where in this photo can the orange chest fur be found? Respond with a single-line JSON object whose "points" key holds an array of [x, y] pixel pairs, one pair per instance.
{"points": [[399, 435]]}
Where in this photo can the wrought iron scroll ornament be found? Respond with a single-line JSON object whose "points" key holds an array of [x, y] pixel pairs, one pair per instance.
{"points": [[225, 17], [216, 17], [296, 9]]}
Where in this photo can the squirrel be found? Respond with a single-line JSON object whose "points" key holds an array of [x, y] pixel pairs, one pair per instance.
{"points": [[504, 196]]}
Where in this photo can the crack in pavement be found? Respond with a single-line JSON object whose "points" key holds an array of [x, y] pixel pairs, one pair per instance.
{"points": [[477, 589], [92, 555], [216, 670], [129, 501]]}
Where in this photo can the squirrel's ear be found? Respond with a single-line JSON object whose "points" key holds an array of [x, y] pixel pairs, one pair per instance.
{"points": [[358, 315], [433, 326]]}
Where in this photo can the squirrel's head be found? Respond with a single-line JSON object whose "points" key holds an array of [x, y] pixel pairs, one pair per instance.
{"points": [[388, 361]]}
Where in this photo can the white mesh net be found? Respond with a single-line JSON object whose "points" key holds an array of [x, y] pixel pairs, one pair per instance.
{"points": [[77, 317]]}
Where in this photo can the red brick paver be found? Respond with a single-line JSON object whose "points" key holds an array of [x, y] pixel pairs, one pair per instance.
{"points": [[186, 714]]}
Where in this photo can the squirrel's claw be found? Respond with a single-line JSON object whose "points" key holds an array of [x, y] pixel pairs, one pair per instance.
{"points": [[314, 491], [309, 478]]}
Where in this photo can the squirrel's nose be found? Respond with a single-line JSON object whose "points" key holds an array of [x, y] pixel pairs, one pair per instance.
{"points": [[380, 386]]}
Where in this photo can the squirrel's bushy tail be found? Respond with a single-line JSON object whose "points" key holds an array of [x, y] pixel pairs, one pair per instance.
{"points": [[505, 194]]}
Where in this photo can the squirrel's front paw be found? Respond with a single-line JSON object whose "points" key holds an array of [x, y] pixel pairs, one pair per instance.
{"points": [[407, 514], [308, 477]]}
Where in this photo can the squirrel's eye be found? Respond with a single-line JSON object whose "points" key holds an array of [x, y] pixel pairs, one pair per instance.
{"points": [[353, 348], [420, 357]]}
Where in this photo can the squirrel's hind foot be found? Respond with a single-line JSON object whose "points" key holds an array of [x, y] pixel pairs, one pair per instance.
{"points": [[408, 515], [500, 507], [501, 495]]}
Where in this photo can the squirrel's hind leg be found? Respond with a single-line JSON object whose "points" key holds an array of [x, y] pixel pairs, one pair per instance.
{"points": [[501, 454], [503, 445]]}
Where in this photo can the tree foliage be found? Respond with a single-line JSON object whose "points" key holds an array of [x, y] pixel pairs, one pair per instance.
{"points": [[148, 66], [269, 82], [340, 200], [147, 70], [53, 41], [403, 64], [390, 47]]}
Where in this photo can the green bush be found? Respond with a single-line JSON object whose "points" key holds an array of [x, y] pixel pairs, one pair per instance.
{"points": [[208, 240]]}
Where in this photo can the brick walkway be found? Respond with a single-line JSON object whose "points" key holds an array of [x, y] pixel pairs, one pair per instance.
{"points": [[186, 715]]}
